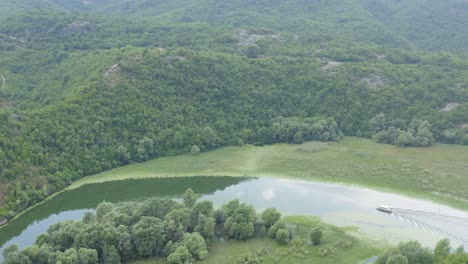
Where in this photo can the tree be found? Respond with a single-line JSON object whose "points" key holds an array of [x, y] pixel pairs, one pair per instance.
{"points": [[210, 139], [456, 259], [299, 139], [123, 154], [124, 245], [377, 124], [415, 252], [240, 220], [87, 256], [148, 236], [110, 254], [89, 218], [270, 216], [102, 209], [195, 150], [282, 236], [168, 249], [16, 258], [196, 245], [442, 248], [180, 256], [424, 137], [190, 198], [316, 236], [10, 249], [397, 259]]}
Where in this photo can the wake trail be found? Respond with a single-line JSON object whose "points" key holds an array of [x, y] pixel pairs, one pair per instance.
{"points": [[442, 225]]}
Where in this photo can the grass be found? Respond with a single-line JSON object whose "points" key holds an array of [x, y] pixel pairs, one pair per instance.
{"points": [[342, 247], [437, 173]]}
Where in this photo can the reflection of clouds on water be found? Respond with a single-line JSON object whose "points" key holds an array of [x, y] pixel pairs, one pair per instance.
{"points": [[269, 194], [338, 204]]}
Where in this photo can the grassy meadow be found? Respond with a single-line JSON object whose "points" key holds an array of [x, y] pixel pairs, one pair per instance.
{"points": [[438, 172]]}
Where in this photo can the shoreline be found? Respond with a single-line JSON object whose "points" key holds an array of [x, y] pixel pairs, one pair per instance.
{"points": [[251, 161]]}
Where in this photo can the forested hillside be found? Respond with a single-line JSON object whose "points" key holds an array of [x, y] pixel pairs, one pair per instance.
{"points": [[431, 25], [91, 90]]}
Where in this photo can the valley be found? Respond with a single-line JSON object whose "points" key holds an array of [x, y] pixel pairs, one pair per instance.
{"points": [[321, 109]]}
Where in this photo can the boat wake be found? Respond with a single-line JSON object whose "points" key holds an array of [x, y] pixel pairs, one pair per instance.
{"points": [[455, 228]]}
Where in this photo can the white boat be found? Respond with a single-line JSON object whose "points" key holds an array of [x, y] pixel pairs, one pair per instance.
{"points": [[385, 209]]}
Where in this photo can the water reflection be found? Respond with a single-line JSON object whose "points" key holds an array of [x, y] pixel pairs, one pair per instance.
{"points": [[340, 205]]}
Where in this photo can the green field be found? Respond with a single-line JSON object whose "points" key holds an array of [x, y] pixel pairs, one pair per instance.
{"points": [[436, 173], [342, 247]]}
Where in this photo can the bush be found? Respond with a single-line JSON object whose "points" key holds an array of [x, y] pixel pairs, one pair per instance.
{"points": [[283, 236], [277, 226], [180, 256], [270, 216], [195, 150], [465, 140], [316, 236]]}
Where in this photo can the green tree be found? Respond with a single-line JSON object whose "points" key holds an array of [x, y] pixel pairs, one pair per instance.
{"points": [[456, 259], [110, 254], [190, 198], [270, 216], [210, 139], [240, 221], [195, 150], [87, 256], [283, 236], [397, 259], [442, 248], [180, 256], [148, 236], [196, 245], [10, 249], [377, 124]]}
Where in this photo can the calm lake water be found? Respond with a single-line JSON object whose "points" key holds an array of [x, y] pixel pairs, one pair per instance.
{"points": [[341, 205]]}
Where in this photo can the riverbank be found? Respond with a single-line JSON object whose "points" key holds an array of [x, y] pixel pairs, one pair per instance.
{"points": [[435, 173]]}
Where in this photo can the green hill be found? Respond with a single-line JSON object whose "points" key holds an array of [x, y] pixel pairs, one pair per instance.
{"points": [[118, 82]]}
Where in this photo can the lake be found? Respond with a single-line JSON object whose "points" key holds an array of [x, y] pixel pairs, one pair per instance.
{"points": [[336, 204]]}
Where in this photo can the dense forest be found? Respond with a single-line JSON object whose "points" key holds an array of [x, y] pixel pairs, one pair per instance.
{"points": [[88, 88]]}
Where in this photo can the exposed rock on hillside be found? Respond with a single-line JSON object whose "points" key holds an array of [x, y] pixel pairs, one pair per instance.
{"points": [[247, 40], [450, 106], [375, 82], [112, 75], [78, 26]]}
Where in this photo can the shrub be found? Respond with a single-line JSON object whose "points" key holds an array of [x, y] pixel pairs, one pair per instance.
{"points": [[282, 236], [316, 236], [270, 216], [180, 256], [195, 150], [273, 229]]}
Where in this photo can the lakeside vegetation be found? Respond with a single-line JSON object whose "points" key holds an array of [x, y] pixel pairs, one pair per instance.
{"points": [[337, 246], [181, 232], [188, 230], [435, 173]]}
